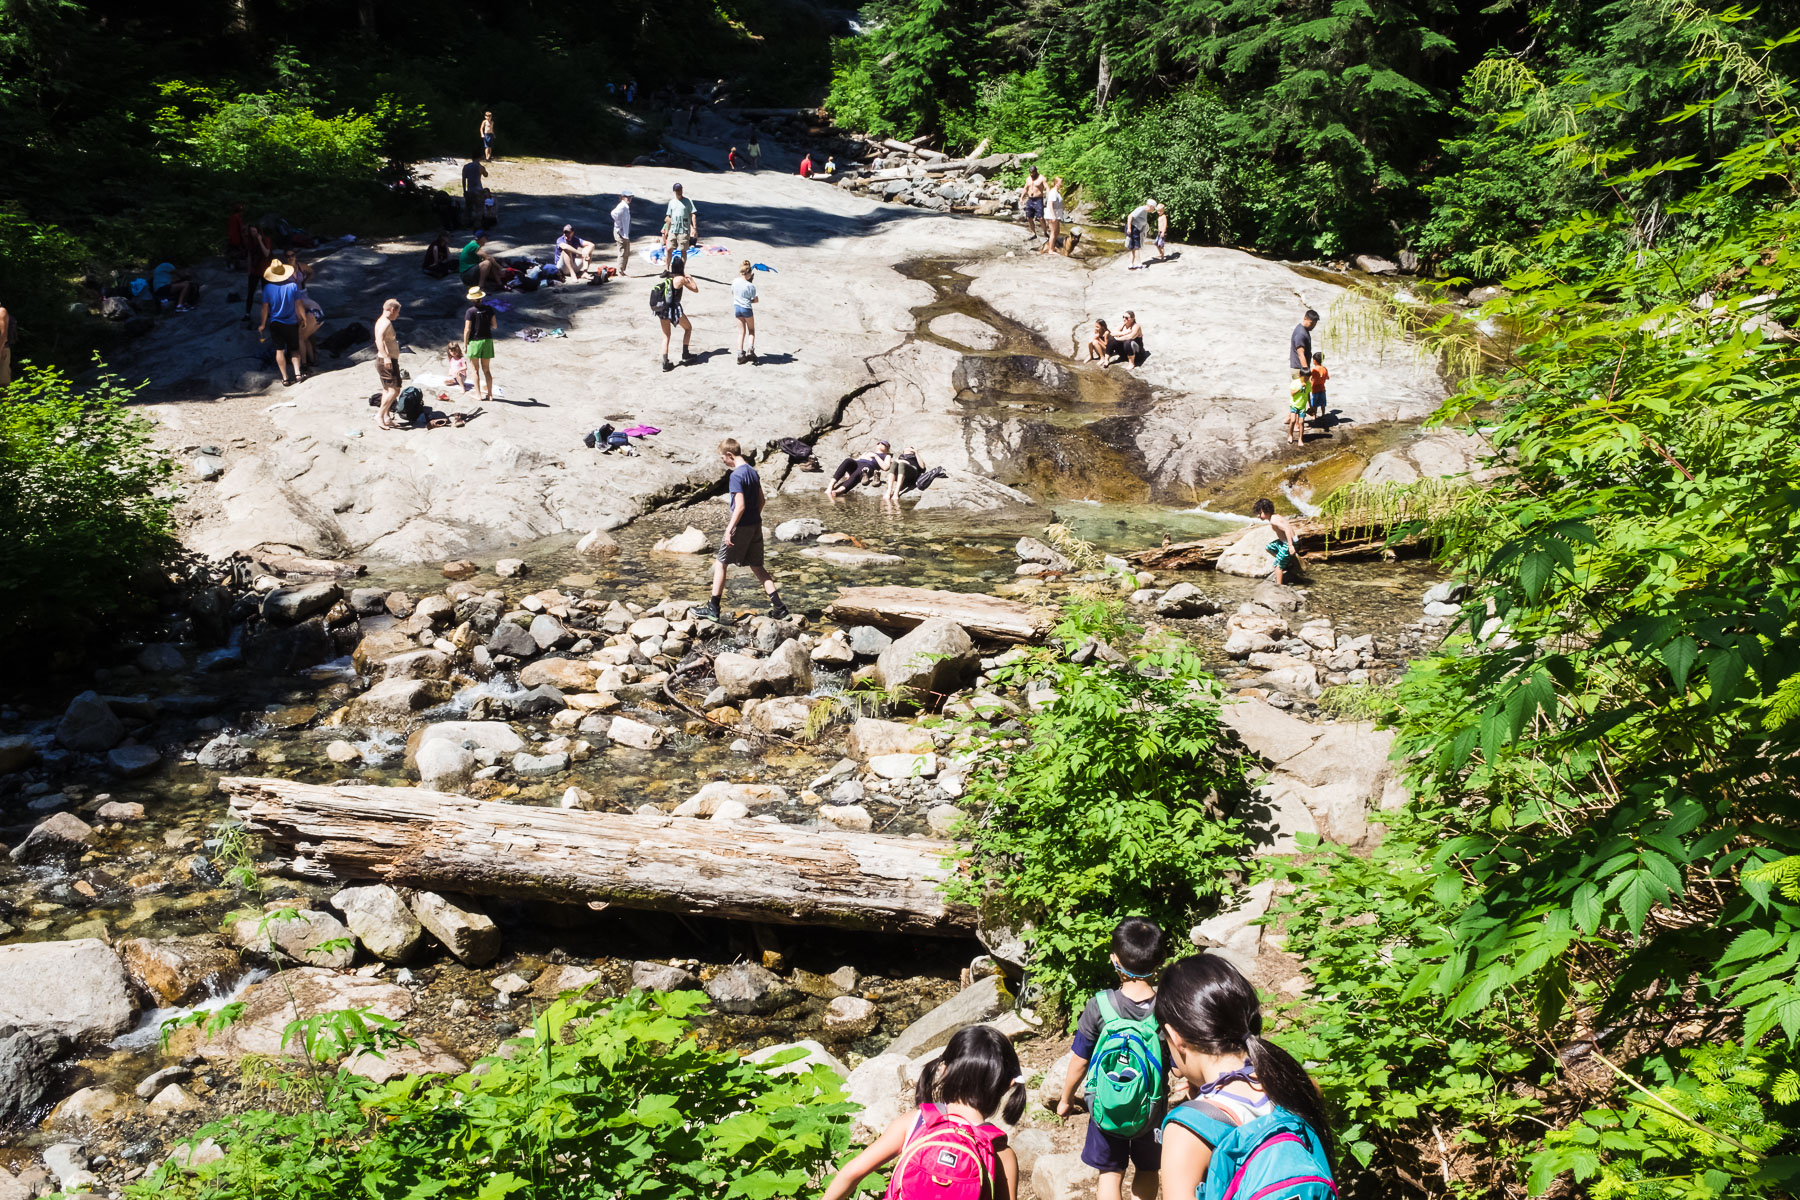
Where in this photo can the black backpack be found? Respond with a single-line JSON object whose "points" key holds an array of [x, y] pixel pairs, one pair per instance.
{"points": [[597, 438], [659, 298], [410, 404]]}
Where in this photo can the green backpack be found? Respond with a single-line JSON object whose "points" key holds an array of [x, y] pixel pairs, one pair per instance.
{"points": [[1125, 1073]]}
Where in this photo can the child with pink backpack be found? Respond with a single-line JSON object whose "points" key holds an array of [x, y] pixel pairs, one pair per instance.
{"points": [[947, 1150]]}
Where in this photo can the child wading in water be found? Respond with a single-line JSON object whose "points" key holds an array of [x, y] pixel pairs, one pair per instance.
{"points": [[947, 1150], [1284, 549], [1315, 407], [1297, 402], [1127, 1081], [1256, 1125]]}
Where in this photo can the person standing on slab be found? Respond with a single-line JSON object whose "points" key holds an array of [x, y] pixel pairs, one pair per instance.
{"points": [[1031, 198], [281, 319], [621, 219], [479, 322], [681, 225], [742, 545], [487, 136], [387, 362]]}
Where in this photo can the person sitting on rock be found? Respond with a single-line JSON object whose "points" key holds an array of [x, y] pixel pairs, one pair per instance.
{"points": [[1101, 347], [572, 254], [438, 257], [1129, 339], [902, 471], [853, 471]]}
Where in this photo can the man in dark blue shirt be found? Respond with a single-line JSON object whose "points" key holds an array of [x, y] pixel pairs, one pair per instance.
{"points": [[743, 542], [1300, 356]]}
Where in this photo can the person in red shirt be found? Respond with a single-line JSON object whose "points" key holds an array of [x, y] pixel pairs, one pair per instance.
{"points": [[731, 158], [806, 167]]}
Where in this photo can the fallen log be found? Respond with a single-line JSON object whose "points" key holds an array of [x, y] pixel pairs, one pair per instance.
{"points": [[905, 607], [1316, 540], [282, 563], [746, 870], [909, 148]]}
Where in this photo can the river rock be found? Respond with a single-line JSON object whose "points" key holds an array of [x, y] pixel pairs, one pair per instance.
{"points": [[445, 766], [133, 760], [834, 651], [799, 529], [495, 739], [1030, 550], [1186, 600], [979, 1002], [68, 1162], [689, 541], [866, 641], [749, 988], [941, 819], [379, 917], [649, 627], [77, 989], [394, 701], [661, 977], [510, 568], [297, 937], [1063, 1177], [90, 1106], [1234, 932], [549, 633], [509, 638], [852, 557], [787, 671], [89, 724], [1375, 265], [1301, 679], [170, 1100], [225, 753], [296, 994], [815, 1056], [463, 928], [1269, 733], [786, 716], [1246, 556], [904, 766], [535, 702], [60, 836], [416, 664], [160, 658], [1276, 597], [878, 1085], [870, 737], [376, 648], [426, 1058], [291, 605], [597, 543], [398, 604], [27, 1071], [1447, 592], [706, 801], [192, 1156], [179, 971], [850, 1017], [1319, 634], [1029, 1145], [935, 657], [438, 611], [461, 568], [367, 602], [540, 764], [564, 674], [638, 735], [16, 753]]}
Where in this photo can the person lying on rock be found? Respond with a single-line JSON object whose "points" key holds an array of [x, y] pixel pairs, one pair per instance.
{"points": [[853, 471], [902, 471]]}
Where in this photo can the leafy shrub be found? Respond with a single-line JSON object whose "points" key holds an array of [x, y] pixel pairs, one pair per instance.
{"points": [[1016, 113], [1114, 808], [86, 502], [38, 266], [599, 1099]]}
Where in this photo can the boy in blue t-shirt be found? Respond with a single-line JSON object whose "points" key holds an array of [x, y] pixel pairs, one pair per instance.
{"points": [[742, 544], [1138, 948]]}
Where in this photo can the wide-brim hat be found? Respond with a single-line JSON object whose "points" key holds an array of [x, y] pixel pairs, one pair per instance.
{"points": [[278, 272], [475, 293]]}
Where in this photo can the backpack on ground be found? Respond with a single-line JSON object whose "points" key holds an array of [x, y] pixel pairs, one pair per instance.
{"points": [[1274, 1157], [597, 439], [930, 477], [410, 404], [659, 298], [1125, 1071], [945, 1158]]}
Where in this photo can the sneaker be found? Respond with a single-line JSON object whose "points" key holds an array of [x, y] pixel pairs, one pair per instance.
{"points": [[710, 612], [667, 365], [687, 357], [742, 358], [779, 609]]}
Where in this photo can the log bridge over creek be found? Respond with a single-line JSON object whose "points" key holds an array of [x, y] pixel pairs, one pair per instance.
{"points": [[748, 870]]}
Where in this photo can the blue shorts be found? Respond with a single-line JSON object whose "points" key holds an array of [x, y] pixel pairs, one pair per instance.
{"points": [[1282, 553], [742, 312], [1107, 1152], [1317, 403], [1134, 239]]}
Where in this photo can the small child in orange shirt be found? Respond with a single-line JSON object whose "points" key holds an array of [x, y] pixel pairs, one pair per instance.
{"points": [[1316, 405]]}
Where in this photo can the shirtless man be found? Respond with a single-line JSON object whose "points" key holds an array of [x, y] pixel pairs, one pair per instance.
{"points": [[1032, 196], [387, 362]]}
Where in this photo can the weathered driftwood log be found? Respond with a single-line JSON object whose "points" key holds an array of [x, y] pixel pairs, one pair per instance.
{"points": [[1315, 539], [280, 562], [410, 837], [904, 607]]}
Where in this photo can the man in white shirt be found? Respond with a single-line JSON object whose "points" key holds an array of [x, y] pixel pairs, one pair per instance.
{"points": [[621, 218]]}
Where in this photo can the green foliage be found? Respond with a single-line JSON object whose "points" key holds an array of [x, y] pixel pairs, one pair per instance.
{"points": [[1114, 808], [86, 500], [1710, 1134], [38, 264], [1360, 702], [598, 1099]]}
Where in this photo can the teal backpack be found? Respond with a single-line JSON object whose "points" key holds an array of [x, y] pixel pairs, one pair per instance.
{"points": [[1125, 1073], [1274, 1157]]}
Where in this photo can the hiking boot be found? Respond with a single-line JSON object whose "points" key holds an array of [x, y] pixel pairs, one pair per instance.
{"points": [[778, 608], [667, 365], [687, 357], [710, 612], [742, 358]]}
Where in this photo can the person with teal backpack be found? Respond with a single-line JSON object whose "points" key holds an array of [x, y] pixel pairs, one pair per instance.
{"points": [[1122, 1059], [1255, 1128]]}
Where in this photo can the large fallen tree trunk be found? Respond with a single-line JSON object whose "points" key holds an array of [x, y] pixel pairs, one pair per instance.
{"points": [[1315, 539], [410, 837], [905, 607]]}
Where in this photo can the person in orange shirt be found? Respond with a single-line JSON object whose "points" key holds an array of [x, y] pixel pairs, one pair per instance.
{"points": [[1315, 407]]}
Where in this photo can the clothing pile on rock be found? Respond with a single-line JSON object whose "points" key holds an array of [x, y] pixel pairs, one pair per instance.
{"points": [[606, 439]]}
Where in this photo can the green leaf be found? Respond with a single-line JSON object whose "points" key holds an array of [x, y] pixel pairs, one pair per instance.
{"points": [[1679, 656]]}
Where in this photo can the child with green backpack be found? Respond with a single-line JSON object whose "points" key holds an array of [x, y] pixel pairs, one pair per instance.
{"points": [[1122, 1058]]}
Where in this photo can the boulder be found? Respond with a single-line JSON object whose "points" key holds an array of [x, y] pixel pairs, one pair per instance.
{"points": [[870, 737], [1063, 1177], [59, 837], [597, 544], [170, 1100], [1050, 1090], [1185, 600], [438, 611], [815, 1056], [298, 937], [295, 994], [866, 641], [1269, 733], [1375, 265], [1029, 1145], [134, 760], [689, 541], [785, 672], [850, 1017], [748, 987], [509, 638], [179, 971], [120, 810], [376, 648], [706, 801], [89, 724], [1235, 929], [1243, 642], [942, 819], [661, 977], [1319, 635], [800, 529], [904, 766], [445, 766], [416, 664], [394, 701], [68, 1162], [784, 715], [224, 753], [27, 1071], [549, 633], [379, 917], [16, 753], [464, 929], [935, 657], [461, 568], [1246, 556], [192, 1156], [564, 674], [291, 605], [638, 735], [540, 764], [510, 568], [90, 1106], [1276, 597], [851, 556], [853, 817], [77, 989], [495, 737], [1301, 679], [981, 1001], [834, 651], [1030, 550], [426, 1058], [565, 977], [878, 1085]]}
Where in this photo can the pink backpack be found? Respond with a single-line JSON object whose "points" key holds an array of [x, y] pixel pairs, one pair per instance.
{"points": [[946, 1158]]}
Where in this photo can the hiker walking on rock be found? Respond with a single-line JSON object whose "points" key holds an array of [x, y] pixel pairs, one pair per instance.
{"points": [[742, 545], [281, 319], [665, 302], [743, 296]]}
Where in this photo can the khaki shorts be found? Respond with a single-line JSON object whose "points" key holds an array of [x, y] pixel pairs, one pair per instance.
{"points": [[679, 242], [746, 549], [388, 371]]}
